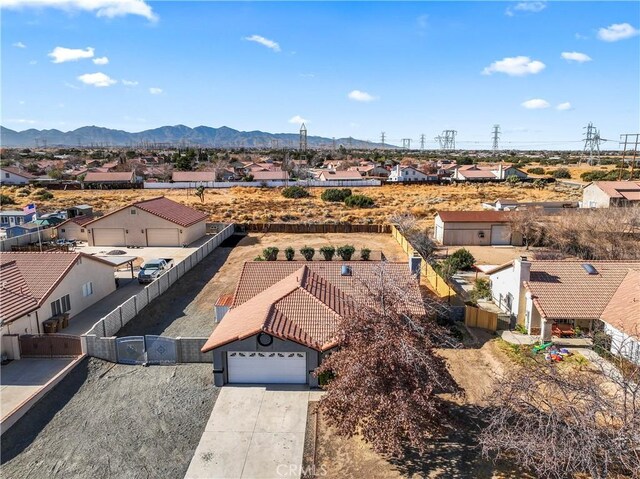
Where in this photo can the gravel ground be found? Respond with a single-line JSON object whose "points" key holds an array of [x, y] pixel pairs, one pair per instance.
{"points": [[109, 420]]}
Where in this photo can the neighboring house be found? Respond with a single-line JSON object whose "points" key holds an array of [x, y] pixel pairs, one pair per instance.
{"points": [[110, 178], [591, 295], [348, 175], [284, 316], [277, 175], [479, 228], [193, 176], [10, 218], [604, 194], [36, 286], [486, 173], [10, 175], [408, 174], [155, 222], [23, 229], [503, 204], [80, 210], [371, 170], [74, 228]]}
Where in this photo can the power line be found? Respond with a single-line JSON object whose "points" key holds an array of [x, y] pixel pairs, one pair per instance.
{"points": [[496, 137], [447, 139], [591, 144]]}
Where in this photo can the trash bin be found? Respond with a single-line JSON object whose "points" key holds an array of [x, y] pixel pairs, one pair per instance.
{"points": [[50, 325], [65, 320]]}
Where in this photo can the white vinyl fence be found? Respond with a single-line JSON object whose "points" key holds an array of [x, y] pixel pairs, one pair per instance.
{"points": [[46, 234], [116, 319], [269, 184]]}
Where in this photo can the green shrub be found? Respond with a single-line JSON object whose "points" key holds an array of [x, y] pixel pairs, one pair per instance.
{"points": [[289, 253], [561, 173], [512, 180], [42, 194], [359, 201], [521, 329], [365, 254], [536, 171], [328, 252], [335, 194], [346, 252], [270, 253], [481, 289], [462, 259], [307, 252], [6, 200], [295, 192], [258, 258]]}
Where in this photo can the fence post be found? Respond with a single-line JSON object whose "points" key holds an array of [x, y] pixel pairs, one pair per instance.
{"points": [[104, 328], [135, 304], [120, 313]]}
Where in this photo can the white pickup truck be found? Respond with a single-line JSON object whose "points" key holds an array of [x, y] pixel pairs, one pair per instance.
{"points": [[153, 269]]}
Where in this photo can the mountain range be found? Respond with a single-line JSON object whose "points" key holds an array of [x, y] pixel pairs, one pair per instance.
{"points": [[179, 135]]}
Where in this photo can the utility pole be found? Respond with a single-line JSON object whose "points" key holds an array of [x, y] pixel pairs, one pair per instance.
{"points": [[382, 137], [636, 141], [422, 141], [406, 143], [496, 137], [591, 144]]}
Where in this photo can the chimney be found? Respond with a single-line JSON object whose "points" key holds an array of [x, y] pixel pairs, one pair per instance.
{"points": [[415, 263], [500, 172], [523, 265]]}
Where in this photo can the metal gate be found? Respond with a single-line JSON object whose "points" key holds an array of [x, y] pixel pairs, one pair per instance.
{"points": [[160, 349], [49, 346], [131, 350]]}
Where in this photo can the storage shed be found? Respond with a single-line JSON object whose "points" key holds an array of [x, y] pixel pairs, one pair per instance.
{"points": [[475, 228]]}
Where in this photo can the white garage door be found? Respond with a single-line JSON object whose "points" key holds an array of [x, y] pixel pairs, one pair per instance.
{"points": [[108, 237], [163, 237], [267, 367], [500, 234]]}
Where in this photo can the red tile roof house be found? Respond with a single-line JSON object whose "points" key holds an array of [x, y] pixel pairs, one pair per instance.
{"points": [[486, 173], [283, 317], [112, 178], [604, 194], [36, 286], [590, 295], [276, 175], [479, 228], [154, 222], [10, 175], [74, 228], [347, 175], [193, 176]]}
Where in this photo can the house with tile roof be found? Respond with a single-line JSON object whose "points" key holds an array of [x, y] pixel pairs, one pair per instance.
{"points": [[475, 228], [74, 228], [36, 286], [606, 194], [346, 175], [10, 175], [497, 172], [408, 174], [154, 222], [283, 316], [110, 178], [550, 297]]}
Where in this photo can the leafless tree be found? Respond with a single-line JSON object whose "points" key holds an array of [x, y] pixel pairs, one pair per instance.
{"points": [[528, 224], [417, 236]]}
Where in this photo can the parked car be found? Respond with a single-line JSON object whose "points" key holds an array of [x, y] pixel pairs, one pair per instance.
{"points": [[153, 269]]}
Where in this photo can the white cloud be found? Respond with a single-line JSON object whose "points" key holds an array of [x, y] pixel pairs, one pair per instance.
{"points": [[61, 54], [576, 57], [102, 8], [530, 7], [564, 106], [297, 120], [536, 104], [20, 121], [515, 66], [580, 36], [357, 95], [617, 31], [155, 90], [19, 45], [264, 41], [101, 61], [129, 82], [97, 79]]}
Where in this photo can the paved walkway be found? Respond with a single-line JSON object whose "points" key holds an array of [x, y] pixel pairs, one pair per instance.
{"points": [[253, 432], [514, 337]]}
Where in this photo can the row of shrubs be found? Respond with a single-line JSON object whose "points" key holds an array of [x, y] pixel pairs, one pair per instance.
{"points": [[345, 252], [337, 195], [40, 194], [559, 173]]}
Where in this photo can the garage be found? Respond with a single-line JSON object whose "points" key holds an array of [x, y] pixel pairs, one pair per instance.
{"points": [[108, 237], [267, 367], [500, 235], [163, 237]]}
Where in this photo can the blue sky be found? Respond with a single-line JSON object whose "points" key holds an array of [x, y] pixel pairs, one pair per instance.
{"points": [[542, 70]]}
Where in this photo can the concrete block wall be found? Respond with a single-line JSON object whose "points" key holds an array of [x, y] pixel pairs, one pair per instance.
{"points": [[103, 348], [188, 351]]}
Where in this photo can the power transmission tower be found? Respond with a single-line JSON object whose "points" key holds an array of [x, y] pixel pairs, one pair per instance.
{"points": [[303, 138], [334, 143], [496, 137], [406, 143], [274, 144], [350, 142], [447, 139], [382, 137], [636, 141], [422, 141], [591, 144]]}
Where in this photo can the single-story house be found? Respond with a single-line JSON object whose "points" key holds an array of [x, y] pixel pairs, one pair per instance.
{"points": [[486, 172], [155, 222], [407, 174], [479, 228], [80, 210], [284, 316], [347, 175], [37, 286], [550, 297], [276, 175], [505, 204], [23, 229], [10, 175], [604, 194], [74, 228], [193, 176], [10, 218], [370, 170], [110, 178]]}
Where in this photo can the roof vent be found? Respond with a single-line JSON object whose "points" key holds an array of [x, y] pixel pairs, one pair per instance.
{"points": [[589, 268], [346, 270]]}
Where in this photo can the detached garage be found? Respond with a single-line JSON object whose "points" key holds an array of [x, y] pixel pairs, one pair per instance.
{"points": [[154, 222], [475, 228]]}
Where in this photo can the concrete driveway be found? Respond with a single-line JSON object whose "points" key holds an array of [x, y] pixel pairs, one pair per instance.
{"points": [[253, 432]]}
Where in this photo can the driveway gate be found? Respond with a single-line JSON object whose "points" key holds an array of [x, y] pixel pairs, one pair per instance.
{"points": [[49, 346], [131, 350], [160, 349]]}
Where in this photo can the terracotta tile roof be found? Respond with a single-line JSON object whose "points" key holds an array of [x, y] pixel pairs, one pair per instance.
{"points": [[269, 175], [32, 276], [120, 176], [79, 220], [618, 189], [193, 176], [19, 172], [225, 300], [342, 175], [484, 216], [302, 301], [623, 311], [564, 290], [476, 174]]}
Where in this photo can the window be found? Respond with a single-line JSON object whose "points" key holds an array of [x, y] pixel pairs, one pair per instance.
{"points": [[61, 305], [133, 211], [62, 230], [66, 303], [87, 289], [7, 175], [55, 308], [81, 230]]}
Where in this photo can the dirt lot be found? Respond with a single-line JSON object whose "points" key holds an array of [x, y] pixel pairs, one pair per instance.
{"points": [[245, 204], [109, 420], [186, 309], [455, 456]]}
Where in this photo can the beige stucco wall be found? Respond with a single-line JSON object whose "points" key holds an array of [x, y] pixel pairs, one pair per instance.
{"points": [[594, 197], [135, 226], [72, 231], [467, 234]]}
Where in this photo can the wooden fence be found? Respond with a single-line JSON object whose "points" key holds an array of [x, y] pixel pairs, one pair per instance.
{"points": [[318, 228], [479, 318], [50, 346], [428, 276]]}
